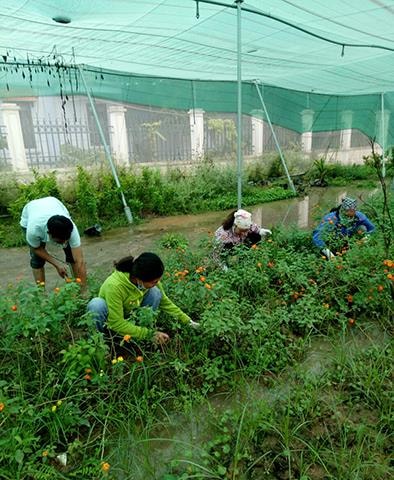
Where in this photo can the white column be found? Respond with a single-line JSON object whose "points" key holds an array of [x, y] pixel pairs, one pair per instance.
{"points": [[303, 213], [346, 132], [306, 137], [345, 141], [118, 133], [16, 146], [382, 130], [257, 135], [196, 117]]}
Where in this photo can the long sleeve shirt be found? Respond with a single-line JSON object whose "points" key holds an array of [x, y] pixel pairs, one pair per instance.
{"points": [[331, 224], [122, 297]]}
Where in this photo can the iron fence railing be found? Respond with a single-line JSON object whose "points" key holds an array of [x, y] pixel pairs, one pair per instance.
{"points": [[60, 145], [157, 135]]}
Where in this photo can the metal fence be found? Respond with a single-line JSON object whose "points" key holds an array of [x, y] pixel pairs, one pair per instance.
{"points": [[220, 135], [57, 144], [157, 135], [154, 135]]}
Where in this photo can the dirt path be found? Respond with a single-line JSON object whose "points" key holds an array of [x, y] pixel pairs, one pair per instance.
{"points": [[100, 252]]}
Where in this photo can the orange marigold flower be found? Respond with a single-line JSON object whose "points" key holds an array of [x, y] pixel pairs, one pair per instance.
{"points": [[380, 288], [208, 286], [139, 359], [57, 289], [254, 246], [88, 370], [270, 264], [87, 377], [390, 276], [68, 280], [127, 338], [351, 321], [2, 406], [200, 269], [14, 308], [78, 280], [202, 278], [105, 466]]}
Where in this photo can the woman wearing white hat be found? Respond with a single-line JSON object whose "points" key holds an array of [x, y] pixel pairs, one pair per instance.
{"points": [[238, 228]]}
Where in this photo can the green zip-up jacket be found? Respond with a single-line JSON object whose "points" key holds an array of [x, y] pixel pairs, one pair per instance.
{"points": [[122, 296]]}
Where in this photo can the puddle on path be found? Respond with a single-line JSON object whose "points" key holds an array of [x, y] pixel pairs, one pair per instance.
{"points": [[100, 252], [183, 433]]}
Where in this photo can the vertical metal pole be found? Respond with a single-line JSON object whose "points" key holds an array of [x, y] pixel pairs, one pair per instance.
{"points": [[382, 123], [126, 208], [290, 181], [239, 105]]}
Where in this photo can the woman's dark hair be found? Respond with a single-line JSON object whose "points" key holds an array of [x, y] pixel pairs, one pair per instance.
{"points": [[148, 266], [60, 227], [229, 221]]}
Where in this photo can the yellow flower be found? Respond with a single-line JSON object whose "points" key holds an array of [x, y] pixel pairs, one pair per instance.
{"points": [[120, 359], [105, 466], [127, 338], [114, 361], [45, 453], [2, 406]]}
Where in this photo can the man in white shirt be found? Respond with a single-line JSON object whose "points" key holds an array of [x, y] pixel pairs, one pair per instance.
{"points": [[48, 220]]}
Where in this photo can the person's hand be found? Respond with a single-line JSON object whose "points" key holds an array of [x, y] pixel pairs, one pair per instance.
{"points": [[160, 338], [265, 231], [194, 324], [328, 253], [61, 269]]}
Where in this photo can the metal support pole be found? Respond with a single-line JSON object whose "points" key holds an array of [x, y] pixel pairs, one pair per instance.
{"points": [[239, 105], [126, 208], [290, 181], [382, 129]]}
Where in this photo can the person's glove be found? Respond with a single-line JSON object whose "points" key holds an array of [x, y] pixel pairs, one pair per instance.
{"points": [[265, 231], [327, 253], [194, 324]]}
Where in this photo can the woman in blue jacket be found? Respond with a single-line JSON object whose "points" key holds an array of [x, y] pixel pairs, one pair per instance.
{"points": [[343, 221]]}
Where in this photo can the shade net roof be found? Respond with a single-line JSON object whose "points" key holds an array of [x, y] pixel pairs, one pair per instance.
{"points": [[335, 59]]}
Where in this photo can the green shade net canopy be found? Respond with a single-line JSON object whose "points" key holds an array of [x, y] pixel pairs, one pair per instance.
{"points": [[333, 58]]}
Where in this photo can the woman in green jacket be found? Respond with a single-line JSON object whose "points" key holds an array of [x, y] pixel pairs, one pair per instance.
{"points": [[135, 283]]}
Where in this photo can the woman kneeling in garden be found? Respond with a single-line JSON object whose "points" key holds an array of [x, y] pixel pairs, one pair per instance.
{"points": [[135, 283], [237, 229], [338, 225]]}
